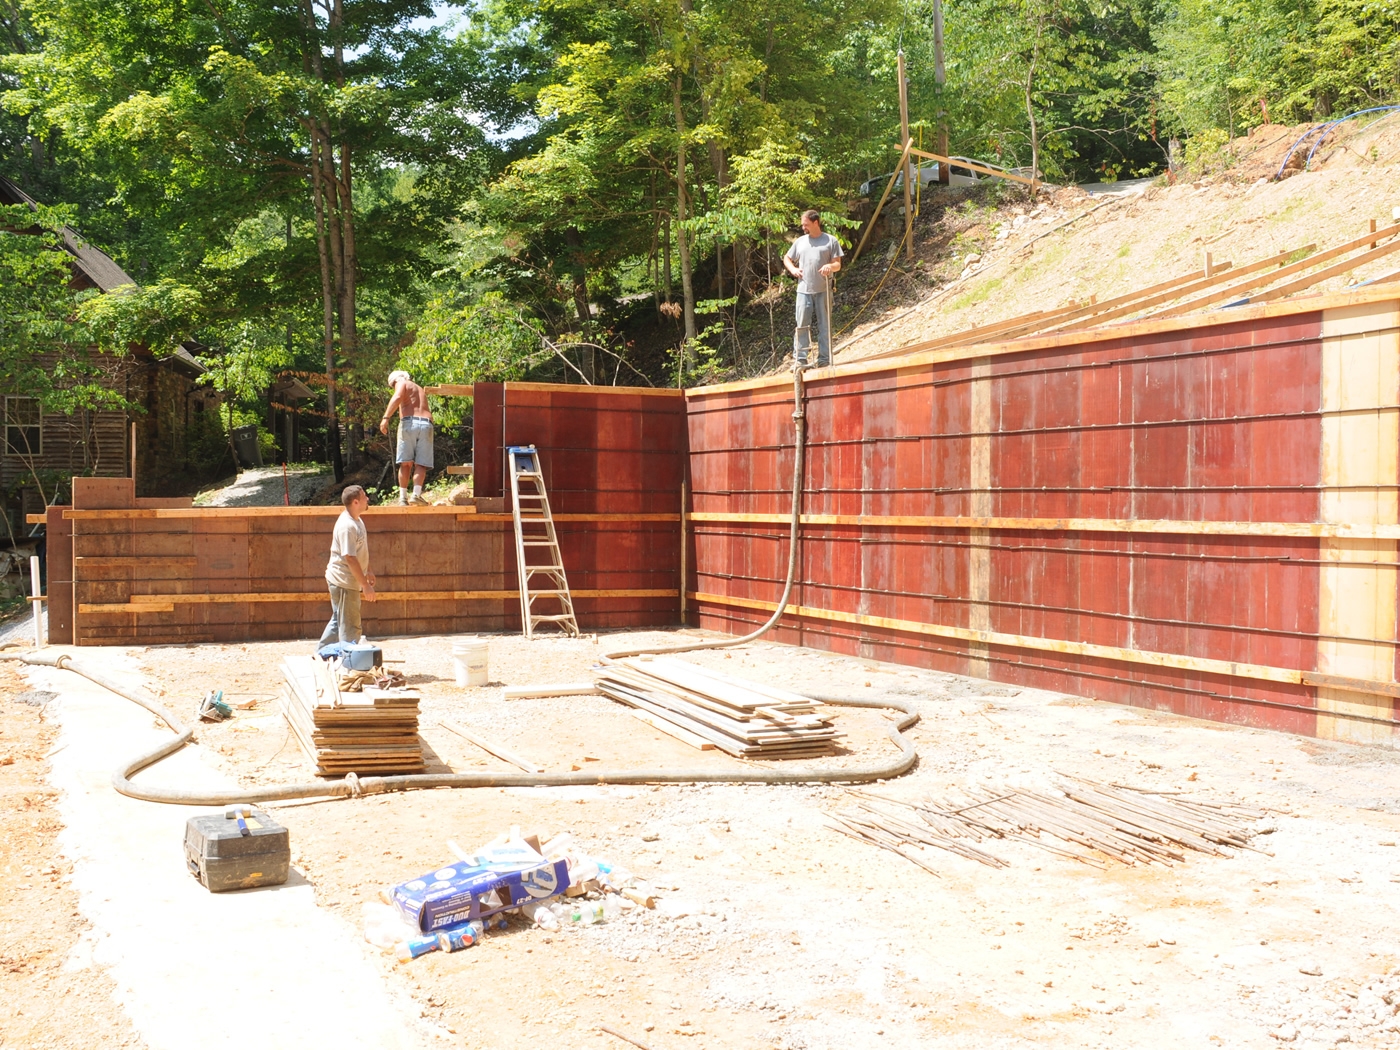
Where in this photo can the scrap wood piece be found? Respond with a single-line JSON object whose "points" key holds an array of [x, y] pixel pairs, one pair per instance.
{"points": [[624, 1038], [1313, 259], [1327, 272], [530, 692], [685, 736], [491, 749]]}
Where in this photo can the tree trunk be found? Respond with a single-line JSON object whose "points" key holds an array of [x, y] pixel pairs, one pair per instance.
{"points": [[1030, 98], [687, 284], [323, 248], [349, 330], [667, 257], [347, 282], [585, 315]]}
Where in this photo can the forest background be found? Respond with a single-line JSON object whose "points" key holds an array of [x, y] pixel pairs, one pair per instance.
{"points": [[570, 190]]}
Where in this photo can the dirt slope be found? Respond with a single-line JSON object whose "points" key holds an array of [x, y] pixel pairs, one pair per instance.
{"points": [[982, 260]]}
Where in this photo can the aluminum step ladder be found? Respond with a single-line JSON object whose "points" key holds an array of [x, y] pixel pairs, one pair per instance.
{"points": [[537, 559]]}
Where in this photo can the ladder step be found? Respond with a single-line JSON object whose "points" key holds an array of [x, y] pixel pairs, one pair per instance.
{"points": [[534, 527]]}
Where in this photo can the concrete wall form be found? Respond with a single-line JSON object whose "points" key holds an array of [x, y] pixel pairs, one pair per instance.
{"points": [[1197, 518], [125, 570], [1194, 517]]}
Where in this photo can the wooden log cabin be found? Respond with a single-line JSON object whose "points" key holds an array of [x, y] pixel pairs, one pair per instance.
{"points": [[45, 448]]}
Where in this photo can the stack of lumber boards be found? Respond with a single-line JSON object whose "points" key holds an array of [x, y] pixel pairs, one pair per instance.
{"points": [[743, 718], [372, 731]]}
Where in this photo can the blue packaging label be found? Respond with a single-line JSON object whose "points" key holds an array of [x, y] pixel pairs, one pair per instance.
{"points": [[452, 895]]}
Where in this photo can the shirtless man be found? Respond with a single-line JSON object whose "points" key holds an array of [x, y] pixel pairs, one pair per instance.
{"points": [[415, 451]]}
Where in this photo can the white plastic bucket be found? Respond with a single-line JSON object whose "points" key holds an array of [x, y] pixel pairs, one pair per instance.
{"points": [[469, 661]]}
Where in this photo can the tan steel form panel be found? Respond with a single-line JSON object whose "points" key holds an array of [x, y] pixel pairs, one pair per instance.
{"points": [[1361, 466]]}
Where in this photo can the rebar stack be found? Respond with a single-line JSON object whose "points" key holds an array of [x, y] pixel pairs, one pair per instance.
{"points": [[1092, 820]]}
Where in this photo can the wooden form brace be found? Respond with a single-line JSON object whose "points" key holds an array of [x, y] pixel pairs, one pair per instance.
{"points": [[1204, 665]]}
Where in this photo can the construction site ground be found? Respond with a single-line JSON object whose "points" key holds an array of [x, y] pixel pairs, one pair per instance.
{"points": [[989, 254], [771, 931]]}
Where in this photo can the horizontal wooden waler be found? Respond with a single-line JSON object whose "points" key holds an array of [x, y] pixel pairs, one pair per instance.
{"points": [[228, 513], [152, 603], [1205, 665], [917, 356], [1295, 529]]}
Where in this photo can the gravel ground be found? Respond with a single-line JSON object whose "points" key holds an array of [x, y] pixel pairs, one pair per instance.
{"points": [[773, 931], [265, 487]]}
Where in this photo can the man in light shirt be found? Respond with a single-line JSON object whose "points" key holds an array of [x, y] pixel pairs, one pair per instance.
{"points": [[347, 573], [812, 259]]}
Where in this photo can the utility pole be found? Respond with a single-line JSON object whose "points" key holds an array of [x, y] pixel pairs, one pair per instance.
{"points": [[908, 164], [940, 77]]}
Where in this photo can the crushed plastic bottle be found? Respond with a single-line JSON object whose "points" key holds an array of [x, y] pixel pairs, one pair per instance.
{"points": [[540, 914], [384, 926], [586, 913], [612, 908]]}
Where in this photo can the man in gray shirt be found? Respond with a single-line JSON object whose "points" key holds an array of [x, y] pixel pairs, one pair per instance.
{"points": [[812, 259]]}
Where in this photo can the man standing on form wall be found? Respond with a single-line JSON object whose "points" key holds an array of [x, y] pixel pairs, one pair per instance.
{"points": [[415, 446], [812, 259]]}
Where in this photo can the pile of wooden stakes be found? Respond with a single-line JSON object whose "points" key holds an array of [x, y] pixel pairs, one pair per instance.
{"points": [[370, 731], [743, 718], [1125, 824]]}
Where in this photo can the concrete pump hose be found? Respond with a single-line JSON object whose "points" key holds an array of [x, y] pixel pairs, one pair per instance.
{"points": [[354, 786], [799, 439]]}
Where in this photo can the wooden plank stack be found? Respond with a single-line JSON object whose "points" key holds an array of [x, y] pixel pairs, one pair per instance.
{"points": [[743, 718], [371, 731]]}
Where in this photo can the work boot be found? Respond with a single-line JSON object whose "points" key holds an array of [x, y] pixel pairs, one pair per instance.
{"points": [[402, 501], [418, 501]]}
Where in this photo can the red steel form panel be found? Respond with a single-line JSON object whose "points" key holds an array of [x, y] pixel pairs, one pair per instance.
{"points": [[1223, 422], [609, 450]]}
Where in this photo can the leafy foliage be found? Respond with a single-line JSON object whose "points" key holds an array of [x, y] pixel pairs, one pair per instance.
{"points": [[44, 347], [560, 188]]}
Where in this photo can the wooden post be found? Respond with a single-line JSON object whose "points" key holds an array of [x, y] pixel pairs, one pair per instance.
{"points": [[1373, 230], [940, 77], [684, 499], [1210, 259], [36, 601], [133, 457], [905, 143]]}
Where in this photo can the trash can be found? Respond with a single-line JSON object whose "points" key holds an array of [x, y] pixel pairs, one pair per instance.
{"points": [[245, 443]]}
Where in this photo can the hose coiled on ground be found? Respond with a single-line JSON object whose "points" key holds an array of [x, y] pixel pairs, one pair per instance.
{"points": [[353, 786]]}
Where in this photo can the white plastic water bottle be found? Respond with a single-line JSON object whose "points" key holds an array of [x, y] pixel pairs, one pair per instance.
{"points": [[384, 926], [586, 913], [612, 908], [540, 914]]}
